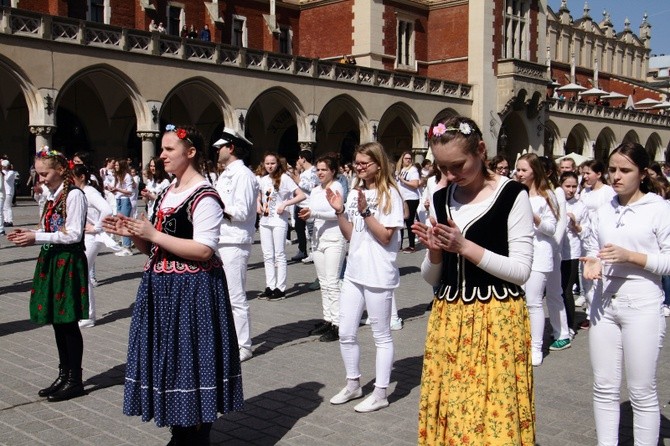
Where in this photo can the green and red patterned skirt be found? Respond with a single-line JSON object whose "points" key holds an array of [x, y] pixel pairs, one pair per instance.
{"points": [[60, 286]]}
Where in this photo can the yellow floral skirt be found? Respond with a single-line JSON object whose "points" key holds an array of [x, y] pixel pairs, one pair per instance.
{"points": [[477, 381]]}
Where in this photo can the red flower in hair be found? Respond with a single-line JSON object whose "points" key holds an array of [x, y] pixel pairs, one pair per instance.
{"points": [[70, 164], [182, 134]]}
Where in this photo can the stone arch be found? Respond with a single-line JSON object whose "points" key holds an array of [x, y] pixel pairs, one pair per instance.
{"points": [[341, 123], [631, 136], [200, 102], [653, 146], [513, 137], [399, 130], [578, 141], [604, 144], [276, 121], [552, 140], [21, 105], [444, 114], [91, 115]]}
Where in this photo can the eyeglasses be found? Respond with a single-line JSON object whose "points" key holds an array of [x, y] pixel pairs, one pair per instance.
{"points": [[362, 165], [407, 158], [502, 168]]}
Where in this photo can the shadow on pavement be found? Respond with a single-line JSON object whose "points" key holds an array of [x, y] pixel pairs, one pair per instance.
{"points": [[121, 277], [17, 287], [407, 374], [112, 377], [8, 328], [115, 315], [404, 270], [282, 334], [268, 417]]}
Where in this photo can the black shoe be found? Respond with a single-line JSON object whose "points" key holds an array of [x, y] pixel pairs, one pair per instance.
{"points": [[56, 385], [277, 294], [320, 328], [299, 256], [314, 286], [72, 388], [331, 335], [9, 225], [265, 294]]}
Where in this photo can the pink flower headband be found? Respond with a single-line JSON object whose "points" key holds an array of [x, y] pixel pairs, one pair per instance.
{"points": [[463, 128]]}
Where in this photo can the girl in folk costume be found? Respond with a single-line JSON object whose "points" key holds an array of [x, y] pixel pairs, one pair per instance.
{"points": [[477, 381], [277, 192], [183, 359], [60, 286], [371, 221], [94, 238]]}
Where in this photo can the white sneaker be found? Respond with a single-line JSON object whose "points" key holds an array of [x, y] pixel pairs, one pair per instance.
{"points": [[580, 301], [365, 321], [572, 334], [86, 323], [370, 404], [345, 395], [666, 310], [396, 324], [536, 358], [94, 282], [125, 252], [245, 354], [308, 259]]}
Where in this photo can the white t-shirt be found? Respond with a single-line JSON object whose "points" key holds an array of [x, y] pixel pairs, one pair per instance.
{"points": [[369, 262], [126, 185], [593, 199], [325, 220], [10, 182], [271, 198], [206, 217], [154, 188], [406, 192]]}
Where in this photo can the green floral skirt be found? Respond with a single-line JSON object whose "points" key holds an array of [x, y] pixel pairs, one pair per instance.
{"points": [[60, 286]]}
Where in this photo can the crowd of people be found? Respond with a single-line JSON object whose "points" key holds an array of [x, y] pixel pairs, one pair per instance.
{"points": [[498, 239]]}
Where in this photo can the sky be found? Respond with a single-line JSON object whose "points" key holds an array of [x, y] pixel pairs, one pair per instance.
{"points": [[658, 11]]}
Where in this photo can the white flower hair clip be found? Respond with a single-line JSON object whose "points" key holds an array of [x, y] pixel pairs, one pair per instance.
{"points": [[463, 128]]}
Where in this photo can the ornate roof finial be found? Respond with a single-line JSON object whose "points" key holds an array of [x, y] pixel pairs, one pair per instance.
{"points": [[586, 10], [626, 24], [564, 6]]}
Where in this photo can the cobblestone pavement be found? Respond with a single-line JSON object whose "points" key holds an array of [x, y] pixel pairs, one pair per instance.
{"points": [[287, 383]]}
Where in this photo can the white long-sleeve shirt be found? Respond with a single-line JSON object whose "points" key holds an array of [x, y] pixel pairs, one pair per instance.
{"points": [[544, 244], [75, 219], [643, 227], [98, 208], [514, 268], [238, 189]]}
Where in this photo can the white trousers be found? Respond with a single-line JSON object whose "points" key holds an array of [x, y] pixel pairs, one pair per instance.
{"points": [[555, 305], [273, 244], [235, 259], [328, 256], [2, 203], [354, 298], [534, 288], [7, 213], [628, 329], [93, 247]]}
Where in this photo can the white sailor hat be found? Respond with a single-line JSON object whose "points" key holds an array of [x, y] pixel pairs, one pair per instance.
{"points": [[231, 136]]}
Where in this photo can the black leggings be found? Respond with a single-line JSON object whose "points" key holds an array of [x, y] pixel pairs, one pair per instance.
{"points": [[569, 275], [70, 345], [409, 221]]}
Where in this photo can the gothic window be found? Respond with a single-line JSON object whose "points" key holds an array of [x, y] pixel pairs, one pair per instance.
{"points": [[516, 29], [239, 32], [405, 48], [174, 20], [285, 40], [96, 11]]}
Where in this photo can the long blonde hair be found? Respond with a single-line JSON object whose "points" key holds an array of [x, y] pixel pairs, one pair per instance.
{"points": [[383, 178]]}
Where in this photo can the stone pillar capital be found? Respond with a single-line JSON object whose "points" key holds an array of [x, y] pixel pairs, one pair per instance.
{"points": [[147, 135], [42, 129], [307, 145]]}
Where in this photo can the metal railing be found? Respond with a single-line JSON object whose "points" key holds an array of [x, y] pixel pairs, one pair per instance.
{"points": [[607, 113]]}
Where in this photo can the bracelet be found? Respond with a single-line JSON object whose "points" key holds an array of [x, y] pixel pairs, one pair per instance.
{"points": [[341, 212]]}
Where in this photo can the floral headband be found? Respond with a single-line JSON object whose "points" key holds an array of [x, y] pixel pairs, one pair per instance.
{"points": [[181, 133], [46, 152], [463, 128]]}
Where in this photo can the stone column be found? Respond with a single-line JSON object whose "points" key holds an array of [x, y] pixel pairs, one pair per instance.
{"points": [[307, 145], [148, 146], [43, 134]]}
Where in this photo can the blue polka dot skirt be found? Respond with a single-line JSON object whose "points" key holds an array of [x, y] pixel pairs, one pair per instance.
{"points": [[183, 359]]}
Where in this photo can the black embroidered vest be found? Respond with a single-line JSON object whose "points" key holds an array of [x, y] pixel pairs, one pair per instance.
{"points": [[178, 222], [460, 277]]}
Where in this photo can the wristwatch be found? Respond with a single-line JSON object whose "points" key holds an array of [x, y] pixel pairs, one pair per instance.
{"points": [[366, 213]]}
